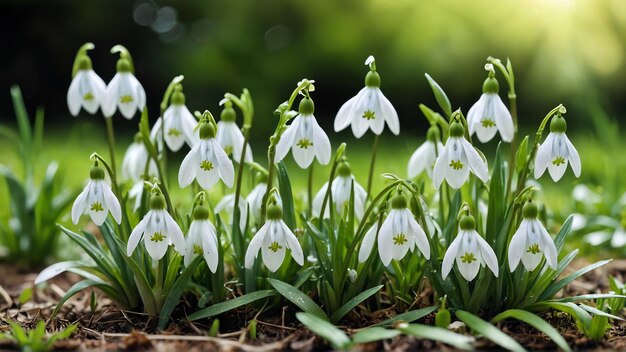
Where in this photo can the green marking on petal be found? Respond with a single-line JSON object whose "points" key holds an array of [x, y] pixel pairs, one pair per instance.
{"points": [[533, 249], [399, 239], [96, 206], [157, 237], [206, 165], [369, 115], [558, 161], [174, 132], [274, 247], [304, 143], [487, 123], [125, 99], [456, 164], [468, 258], [88, 97], [197, 249]]}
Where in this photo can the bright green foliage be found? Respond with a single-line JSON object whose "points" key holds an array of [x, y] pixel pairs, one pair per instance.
{"points": [[29, 231], [36, 340]]}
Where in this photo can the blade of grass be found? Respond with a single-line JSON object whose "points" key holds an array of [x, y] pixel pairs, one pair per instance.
{"points": [[298, 298], [535, 321], [337, 338], [489, 331]]}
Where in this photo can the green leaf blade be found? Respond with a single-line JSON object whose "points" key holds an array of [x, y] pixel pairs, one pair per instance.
{"points": [[489, 331]]}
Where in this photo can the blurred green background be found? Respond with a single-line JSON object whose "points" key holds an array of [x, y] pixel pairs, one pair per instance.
{"points": [[569, 51]]}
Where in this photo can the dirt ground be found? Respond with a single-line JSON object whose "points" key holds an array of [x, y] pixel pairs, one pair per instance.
{"points": [[108, 328]]}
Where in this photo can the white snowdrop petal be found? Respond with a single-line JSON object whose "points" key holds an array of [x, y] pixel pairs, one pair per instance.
{"points": [[487, 253], [417, 162], [136, 235], [78, 208], [109, 103], [475, 113], [476, 163], [255, 245], [385, 240], [420, 237], [73, 95], [343, 117], [544, 154], [126, 96], [574, 158], [321, 143], [451, 253], [389, 113], [187, 171], [504, 121], [175, 234], [292, 244], [549, 248], [368, 243], [517, 245], [441, 165], [224, 164], [112, 203]]}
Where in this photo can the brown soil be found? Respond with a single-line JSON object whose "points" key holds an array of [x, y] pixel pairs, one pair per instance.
{"points": [[108, 328]]}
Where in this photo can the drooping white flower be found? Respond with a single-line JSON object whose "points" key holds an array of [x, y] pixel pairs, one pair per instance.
{"points": [[340, 191], [398, 234], [179, 124], [618, 239], [86, 90], [136, 193], [489, 114], [273, 239], [457, 159], [230, 137], [97, 199], [158, 231], [305, 138], [255, 197], [556, 152], [124, 92], [135, 161], [207, 162], [531, 241], [425, 156], [470, 252], [202, 239], [369, 108], [227, 205]]}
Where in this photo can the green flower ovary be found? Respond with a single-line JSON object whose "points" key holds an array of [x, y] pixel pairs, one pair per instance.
{"points": [[558, 161], [468, 258], [487, 123], [533, 249], [304, 143], [88, 96], [274, 247], [96, 206], [197, 249], [456, 164], [206, 165], [173, 132], [228, 149], [125, 99], [400, 239], [157, 237], [369, 115]]}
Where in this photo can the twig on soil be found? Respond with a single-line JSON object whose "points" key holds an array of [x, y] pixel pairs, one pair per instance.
{"points": [[5, 296]]}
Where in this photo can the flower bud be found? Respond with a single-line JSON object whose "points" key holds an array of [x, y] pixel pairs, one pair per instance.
{"points": [[467, 223], [274, 212], [306, 106], [456, 129], [372, 79], [433, 134]]}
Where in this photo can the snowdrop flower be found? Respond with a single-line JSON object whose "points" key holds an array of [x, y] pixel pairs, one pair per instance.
{"points": [[369, 108], [340, 190], [207, 162], [179, 124], [305, 138], [136, 193], [227, 204], [470, 251], [255, 197], [86, 90], [135, 161], [425, 156], [273, 239], [531, 241], [618, 239], [97, 199], [489, 114], [556, 152], [457, 159], [158, 230], [229, 135], [202, 239], [398, 233], [124, 92]]}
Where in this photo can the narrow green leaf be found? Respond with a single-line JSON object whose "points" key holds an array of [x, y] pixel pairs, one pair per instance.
{"points": [[298, 298], [438, 334], [587, 297], [355, 301], [56, 269], [596, 311], [337, 338], [18, 333], [535, 321], [521, 155], [23, 122], [570, 308], [226, 306], [26, 295], [286, 195], [173, 296], [559, 240], [556, 286], [374, 334], [489, 331], [440, 95], [78, 287], [409, 316]]}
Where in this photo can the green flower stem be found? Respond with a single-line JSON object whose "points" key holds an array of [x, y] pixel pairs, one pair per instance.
{"points": [[333, 170], [514, 142], [81, 51], [158, 290], [310, 192], [370, 176], [111, 141]]}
